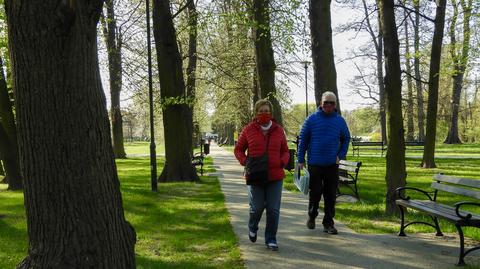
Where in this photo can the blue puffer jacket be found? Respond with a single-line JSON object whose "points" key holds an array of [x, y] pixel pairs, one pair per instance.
{"points": [[324, 137]]}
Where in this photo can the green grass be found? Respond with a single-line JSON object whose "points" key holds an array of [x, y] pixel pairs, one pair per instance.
{"points": [[368, 216], [137, 148], [184, 225], [441, 149]]}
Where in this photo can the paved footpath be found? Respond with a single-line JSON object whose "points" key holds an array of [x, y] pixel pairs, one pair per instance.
{"points": [[301, 248]]}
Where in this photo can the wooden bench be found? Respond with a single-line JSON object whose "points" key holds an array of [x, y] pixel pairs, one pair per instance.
{"points": [[223, 142], [414, 145], [454, 214], [368, 145], [197, 160], [348, 175]]}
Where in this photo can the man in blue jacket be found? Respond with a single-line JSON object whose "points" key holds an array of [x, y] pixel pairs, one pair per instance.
{"points": [[324, 137]]}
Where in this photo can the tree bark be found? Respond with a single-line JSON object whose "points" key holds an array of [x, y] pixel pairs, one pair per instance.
{"points": [[8, 136], [324, 72], [264, 56], [192, 64], [408, 66], [418, 76], [433, 81], [113, 39], [73, 203], [460, 61], [396, 173], [381, 83], [178, 166]]}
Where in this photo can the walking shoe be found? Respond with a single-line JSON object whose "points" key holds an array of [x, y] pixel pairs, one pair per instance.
{"points": [[311, 223], [330, 229], [252, 236], [272, 246]]}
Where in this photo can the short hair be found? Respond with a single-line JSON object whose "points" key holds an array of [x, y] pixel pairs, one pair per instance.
{"points": [[329, 94], [261, 103]]}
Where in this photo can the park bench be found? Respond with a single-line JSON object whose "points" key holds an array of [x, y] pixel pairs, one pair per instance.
{"points": [[223, 142], [197, 158], [414, 145], [348, 175], [460, 218], [367, 145]]}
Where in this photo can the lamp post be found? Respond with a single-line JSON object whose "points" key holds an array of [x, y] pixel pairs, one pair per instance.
{"points": [[305, 65], [153, 155]]}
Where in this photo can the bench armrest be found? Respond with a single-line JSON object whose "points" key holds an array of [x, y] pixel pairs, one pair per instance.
{"points": [[400, 190], [457, 209]]}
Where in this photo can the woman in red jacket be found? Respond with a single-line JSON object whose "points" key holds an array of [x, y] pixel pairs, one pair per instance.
{"points": [[264, 135]]}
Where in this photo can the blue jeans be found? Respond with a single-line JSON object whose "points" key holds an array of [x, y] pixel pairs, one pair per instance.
{"points": [[265, 196]]}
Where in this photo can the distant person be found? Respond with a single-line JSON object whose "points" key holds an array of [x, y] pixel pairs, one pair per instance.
{"points": [[325, 137], [264, 135]]}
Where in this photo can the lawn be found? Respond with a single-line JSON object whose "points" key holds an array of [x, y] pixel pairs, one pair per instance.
{"points": [[184, 225]]}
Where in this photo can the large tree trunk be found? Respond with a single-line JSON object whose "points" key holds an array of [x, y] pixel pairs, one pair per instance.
{"points": [[324, 72], [396, 173], [192, 65], [73, 203], [460, 61], [113, 39], [408, 66], [433, 80], [418, 77], [8, 136], [264, 56], [381, 83], [178, 139]]}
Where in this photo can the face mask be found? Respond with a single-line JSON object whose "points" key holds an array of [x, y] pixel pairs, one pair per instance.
{"points": [[263, 118]]}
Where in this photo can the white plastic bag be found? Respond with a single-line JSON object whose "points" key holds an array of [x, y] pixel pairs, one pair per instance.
{"points": [[301, 181]]}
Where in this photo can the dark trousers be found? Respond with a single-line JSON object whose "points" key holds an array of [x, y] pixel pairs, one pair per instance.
{"points": [[323, 180]]}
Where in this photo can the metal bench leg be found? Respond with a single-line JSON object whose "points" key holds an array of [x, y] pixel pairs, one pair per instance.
{"points": [[437, 227], [402, 225], [461, 262]]}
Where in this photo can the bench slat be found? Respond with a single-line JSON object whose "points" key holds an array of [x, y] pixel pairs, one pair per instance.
{"points": [[356, 164], [474, 183], [345, 179], [348, 168], [456, 190], [436, 209]]}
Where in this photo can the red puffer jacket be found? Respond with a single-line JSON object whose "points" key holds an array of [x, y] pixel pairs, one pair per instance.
{"points": [[253, 140]]}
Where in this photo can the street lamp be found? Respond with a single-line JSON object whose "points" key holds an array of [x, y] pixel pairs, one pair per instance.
{"points": [[153, 155], [305, 65]]}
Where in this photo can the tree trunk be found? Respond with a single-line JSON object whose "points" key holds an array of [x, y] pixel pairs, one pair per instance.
{"points": [[264, 56], [396, 173], [460, 63], [73, 203], [8, 136], [178, 166], [192, 65], [408, 66], [113, 39], [418, 77], [381, 83], [433, 81], [324, 73]]}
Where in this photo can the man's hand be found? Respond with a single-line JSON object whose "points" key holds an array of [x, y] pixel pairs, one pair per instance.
{"points": [[300, 165], [338, 160]]}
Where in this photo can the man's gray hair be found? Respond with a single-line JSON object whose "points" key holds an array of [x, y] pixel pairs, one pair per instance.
{"points": [[330, 94]]}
